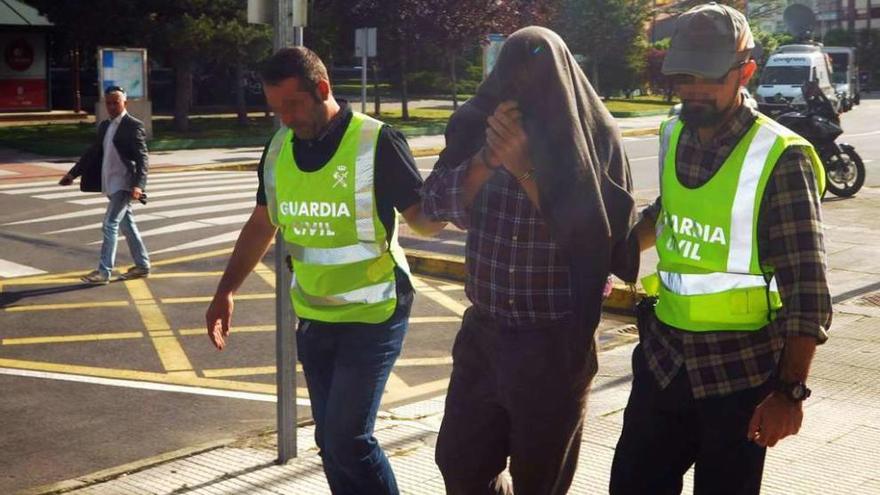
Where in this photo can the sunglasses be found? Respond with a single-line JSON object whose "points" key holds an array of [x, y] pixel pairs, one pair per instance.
{"points": [[687, 79], [114, 89]]}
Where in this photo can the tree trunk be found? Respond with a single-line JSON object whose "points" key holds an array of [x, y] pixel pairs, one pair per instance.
{"points": [[240, 104], [454, 80], [404, 94], [594, 75], [851, 16], [376, 98], [182, 93]]}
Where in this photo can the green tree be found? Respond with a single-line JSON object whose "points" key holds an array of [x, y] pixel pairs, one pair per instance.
{"points": [[457, 25], [609, 34]]}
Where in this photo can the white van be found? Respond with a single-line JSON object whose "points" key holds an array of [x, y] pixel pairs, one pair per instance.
{"points": [[788, 69], [846, 74]]}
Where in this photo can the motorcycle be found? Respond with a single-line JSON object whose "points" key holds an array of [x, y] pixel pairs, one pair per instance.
{"points": [[819, 124]]}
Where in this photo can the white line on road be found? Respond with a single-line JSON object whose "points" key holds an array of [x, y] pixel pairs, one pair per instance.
{"points": [[9, 269], [861, 134], [162, 215], [210, 241], [157, 178], [138, 207], [165, 187], [175, 192], [161, 387], [193, 225]]}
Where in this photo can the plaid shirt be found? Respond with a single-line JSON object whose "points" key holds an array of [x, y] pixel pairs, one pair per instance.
{"points": [[789, 239], [515, 270]]}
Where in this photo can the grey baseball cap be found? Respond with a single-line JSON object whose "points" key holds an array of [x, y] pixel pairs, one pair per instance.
{"points": [[708, 41]]}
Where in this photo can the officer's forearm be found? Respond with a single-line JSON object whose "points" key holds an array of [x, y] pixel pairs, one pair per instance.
{"points": [[796, 358], [477, 175], [420, 223], [251, 246], [645, 232]]}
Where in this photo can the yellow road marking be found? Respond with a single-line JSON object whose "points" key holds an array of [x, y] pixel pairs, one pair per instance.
{"points": [[436, 361], [185, 274], [207, 299], [48, 307], [450, 287], [257, 370], [438, 297], [170, 351], [63, 277], [56, 339], [267, 274], [242, 329], [395, 382], [434, 319], [147, 376], [52, 281], [401, 393], [193, 257]]}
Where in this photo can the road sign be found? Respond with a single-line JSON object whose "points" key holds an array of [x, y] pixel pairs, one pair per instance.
{"points": [[260, 11], [123, 67], [491, 49], [365, 37]]}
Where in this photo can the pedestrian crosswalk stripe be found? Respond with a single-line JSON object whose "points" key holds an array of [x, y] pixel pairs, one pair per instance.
{"points": [[192, 225], [12, 269], [166, 187], [162, 194], [139, 219], [210, 241], [139, 207]]}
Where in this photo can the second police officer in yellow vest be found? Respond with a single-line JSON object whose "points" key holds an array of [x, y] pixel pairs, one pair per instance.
{"points": [[742, 298], [332, 180]]}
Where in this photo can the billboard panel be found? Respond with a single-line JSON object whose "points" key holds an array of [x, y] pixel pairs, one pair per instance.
{"points": [[23, 83]]}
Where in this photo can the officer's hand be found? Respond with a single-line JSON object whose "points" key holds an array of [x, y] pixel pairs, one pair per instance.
{"points": [[218, 318], [66, 180], [775, 418], [136, 193]]}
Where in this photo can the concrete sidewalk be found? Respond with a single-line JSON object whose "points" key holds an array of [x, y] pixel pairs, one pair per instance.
{"points": [[836, 452]]}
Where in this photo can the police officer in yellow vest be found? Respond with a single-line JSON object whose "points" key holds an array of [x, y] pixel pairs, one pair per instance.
{"points": [[742, 300], [331, 180]]}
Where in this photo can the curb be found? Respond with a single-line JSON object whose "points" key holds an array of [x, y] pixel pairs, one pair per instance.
{"points": [[450, 267], [640, 113]]}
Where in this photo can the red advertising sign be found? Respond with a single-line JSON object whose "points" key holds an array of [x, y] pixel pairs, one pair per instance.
{"points": [[22, 94], [19, 55], [23, 84]]}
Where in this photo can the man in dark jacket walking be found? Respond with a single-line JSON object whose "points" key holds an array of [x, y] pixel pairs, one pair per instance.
{"points": [[116, 164]]}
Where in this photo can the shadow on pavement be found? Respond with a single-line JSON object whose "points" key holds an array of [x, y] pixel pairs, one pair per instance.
{"points": [[9, 298]]}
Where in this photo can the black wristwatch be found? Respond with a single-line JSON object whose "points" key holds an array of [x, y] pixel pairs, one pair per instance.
{"points": [[794, 391]]}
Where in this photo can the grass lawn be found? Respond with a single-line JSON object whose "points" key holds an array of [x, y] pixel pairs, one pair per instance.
{"points": [[215, 132], [639, 104]]}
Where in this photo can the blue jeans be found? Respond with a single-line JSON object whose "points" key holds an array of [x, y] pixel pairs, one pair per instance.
{"points": [[346, 367], [119, 216]]}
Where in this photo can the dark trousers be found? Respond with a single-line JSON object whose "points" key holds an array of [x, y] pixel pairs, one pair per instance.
{"points": [[346, 369], [666, 431], [518, 394]]}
